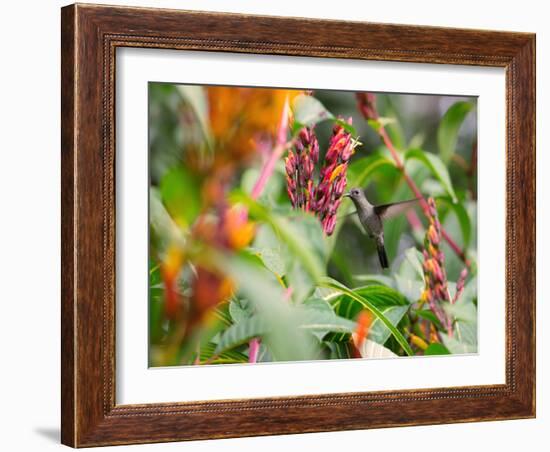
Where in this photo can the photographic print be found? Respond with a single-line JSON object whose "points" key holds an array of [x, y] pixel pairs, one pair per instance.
{"points": [[297, 224]]}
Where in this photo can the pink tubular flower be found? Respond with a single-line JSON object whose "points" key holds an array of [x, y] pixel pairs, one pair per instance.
{"points": [[332, 177], [299, 166], [325, 198], [460, 284]]}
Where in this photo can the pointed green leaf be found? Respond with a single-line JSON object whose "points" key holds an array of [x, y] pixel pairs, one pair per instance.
{"points": [[242, 332], [240, 309], [447, 132], [359, 171], [339, 350], [390, 302], [309, 111], [367, 304], [457, 347], [378, 331], [463, 219], [436, 166], [207, 355], [317, 315], [180, 192]]}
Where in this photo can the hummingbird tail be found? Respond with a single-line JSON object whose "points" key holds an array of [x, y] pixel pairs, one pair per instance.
{"points": [[382, 256]]}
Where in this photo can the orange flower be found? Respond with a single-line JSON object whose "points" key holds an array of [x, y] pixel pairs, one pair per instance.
{"points": [[210, 288], [238, 231], [364, 322], [170, 269], [239, 116]]}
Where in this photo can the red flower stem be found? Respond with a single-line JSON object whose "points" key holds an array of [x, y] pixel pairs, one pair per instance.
{"points": [[265, 174], [276, 154], [267, 170], [399, 164], [254, 350]]}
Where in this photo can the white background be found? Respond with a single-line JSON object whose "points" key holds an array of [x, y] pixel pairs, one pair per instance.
{"points": [[30, 270]]}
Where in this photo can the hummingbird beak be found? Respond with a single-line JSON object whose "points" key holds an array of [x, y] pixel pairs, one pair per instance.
{"points": [[346, 195]]}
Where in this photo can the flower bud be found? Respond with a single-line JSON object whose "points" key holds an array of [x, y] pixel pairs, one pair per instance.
{"points": [[299, 166], [435, 277]]}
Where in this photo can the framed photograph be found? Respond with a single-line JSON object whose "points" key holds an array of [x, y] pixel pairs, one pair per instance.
{"points": [[267, 231]]}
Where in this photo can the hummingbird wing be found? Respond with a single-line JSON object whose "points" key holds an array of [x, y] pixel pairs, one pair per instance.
{"points": [[391, 210], [346, 215]]}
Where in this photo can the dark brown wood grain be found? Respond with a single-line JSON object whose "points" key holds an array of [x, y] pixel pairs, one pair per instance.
{"points": [[90, 36]]}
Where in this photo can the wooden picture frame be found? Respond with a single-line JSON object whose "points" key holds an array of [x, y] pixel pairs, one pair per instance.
{"points": [[90, 36]]}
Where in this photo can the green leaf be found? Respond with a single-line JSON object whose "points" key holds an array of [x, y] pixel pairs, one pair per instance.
{"points": [[359, 171], [466, 332], [272, 259], [277, 323], [228, 357], [303, 235], [339, 350], [242, 332], [378, 331], [470, 292], [463, 219], [390, 302], [272, 188], [429, 315], [380, 122], [436, 349], [409, 287], [309, 111], [279, 255], [307, 229], [312, 316], [433, 188], [180, 192], [240, 309], [466, 312], [326, 293], [447, 132], [374, 279], [436, 166], [410, 277], [382, 295], [367, 304], [161, 222], [457, 347], [415, 258], [318, 303], [317, 315]]}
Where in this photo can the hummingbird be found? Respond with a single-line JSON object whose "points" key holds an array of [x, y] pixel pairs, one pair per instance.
{"points": [[371, 218]]}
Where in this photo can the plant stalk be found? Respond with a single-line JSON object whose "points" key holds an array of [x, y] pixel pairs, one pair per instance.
{"points": [[417, 193]]}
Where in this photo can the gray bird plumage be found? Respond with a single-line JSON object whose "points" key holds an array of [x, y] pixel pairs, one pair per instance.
{"points": [[371, 217]]}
